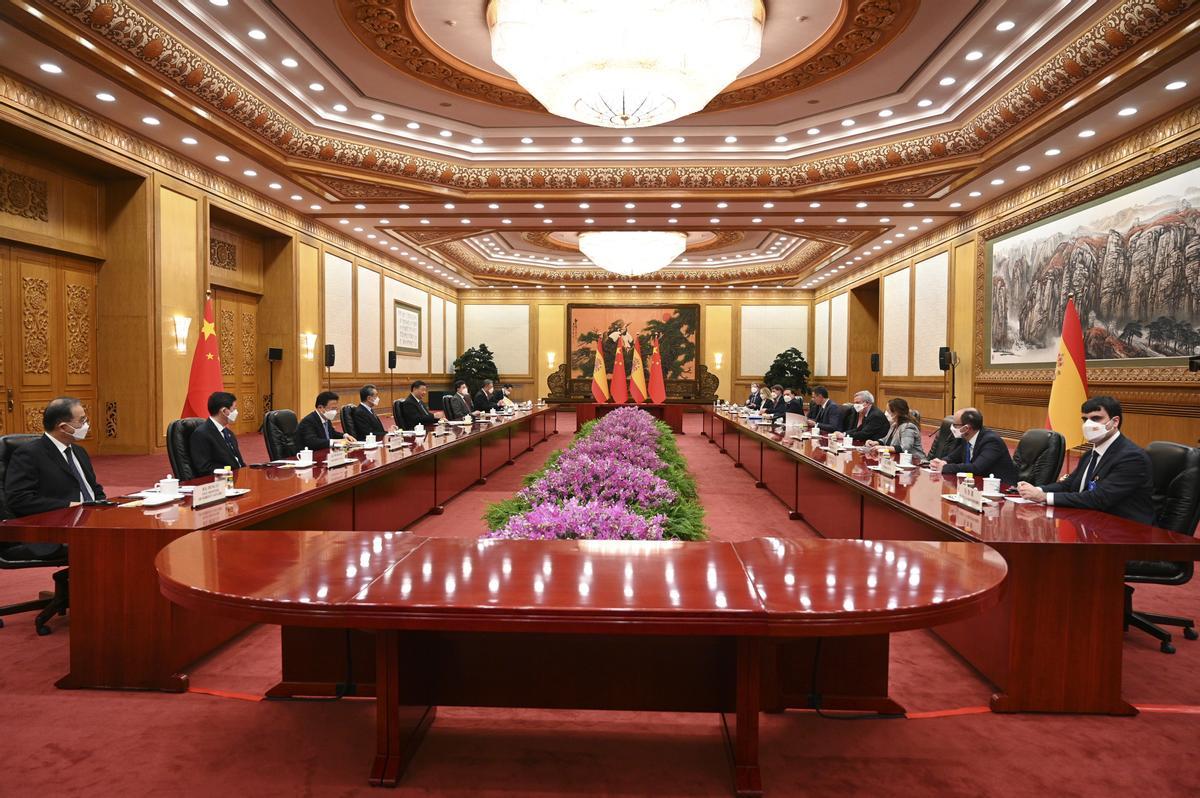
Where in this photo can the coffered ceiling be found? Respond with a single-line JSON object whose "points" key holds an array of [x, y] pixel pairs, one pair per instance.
{"points": [[864, 123]]}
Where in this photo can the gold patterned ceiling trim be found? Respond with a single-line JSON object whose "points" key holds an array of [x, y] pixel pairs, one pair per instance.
{"points": [[356, 190], [1120, 31], [721, 238], [863, 29], [921, 187]]}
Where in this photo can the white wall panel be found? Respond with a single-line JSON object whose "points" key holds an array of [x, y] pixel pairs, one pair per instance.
{"points": [[370, 350], [339, 311], [820, 363], [505, 330], [931, 301], [393, 290], [766, 330], [452, 352], [437, 337], [838, 328], [895, 323]]}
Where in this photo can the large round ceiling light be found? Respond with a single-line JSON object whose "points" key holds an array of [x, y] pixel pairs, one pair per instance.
{"points": [[625, 63], [632, 253]]}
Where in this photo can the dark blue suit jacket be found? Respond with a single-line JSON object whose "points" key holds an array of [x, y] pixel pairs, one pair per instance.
{"points": [[1124, 483], [989, 456], [828, 416], [314, 432]]}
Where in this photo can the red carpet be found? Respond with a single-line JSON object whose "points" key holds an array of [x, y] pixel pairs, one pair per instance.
{"points": [[100, 743]]}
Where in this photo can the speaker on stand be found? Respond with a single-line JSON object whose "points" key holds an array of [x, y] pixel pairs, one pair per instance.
{"points": [[392, 379], [947, 360], [274, 355], [330, 359]]}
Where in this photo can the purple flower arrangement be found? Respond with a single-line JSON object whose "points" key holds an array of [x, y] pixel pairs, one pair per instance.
{"points": [[605, 486]]}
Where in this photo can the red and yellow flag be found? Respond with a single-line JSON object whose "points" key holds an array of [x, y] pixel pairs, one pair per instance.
{"points": [[658, 387], [637, 378], [620, 393], [205, 378], [599, 375], [1069, 389]]}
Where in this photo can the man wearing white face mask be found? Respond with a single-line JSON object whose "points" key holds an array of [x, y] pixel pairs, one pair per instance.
{"points": [[52, 472], [871, 424], [315, 431], [213, 445], [1114, 477], [365, 421], [983, 451]]}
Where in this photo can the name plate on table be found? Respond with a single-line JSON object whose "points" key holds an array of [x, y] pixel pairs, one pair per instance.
{"points": [[970, 497], [336, 459], [888, 466], [209, 493], [398, 444]]}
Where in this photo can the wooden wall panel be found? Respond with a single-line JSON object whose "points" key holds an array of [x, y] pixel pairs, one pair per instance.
{"points": [[235, 258], [180, 292], [45, 206]]}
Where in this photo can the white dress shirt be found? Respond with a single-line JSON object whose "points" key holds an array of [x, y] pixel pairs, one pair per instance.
{"points": [[1097, 453]]}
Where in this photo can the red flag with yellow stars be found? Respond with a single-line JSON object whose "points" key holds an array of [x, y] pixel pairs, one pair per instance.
{"points": [[205, 378]]}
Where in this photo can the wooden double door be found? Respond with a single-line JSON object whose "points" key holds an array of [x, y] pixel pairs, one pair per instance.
{"points": [[47, 337], [241, 359]]}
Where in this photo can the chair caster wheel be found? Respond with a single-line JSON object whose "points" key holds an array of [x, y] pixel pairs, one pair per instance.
{"points": [[1167, 648], [1190, 633], [45, 630]]}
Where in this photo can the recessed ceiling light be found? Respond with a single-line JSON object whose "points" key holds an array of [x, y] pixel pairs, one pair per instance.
{"points": [[630, 206], [1127, 111], [290, 63], [676, 205], [223, 158], [679, 139], [315, 207], [974, 55], [403, 206], [538, 205], [343, 221], [997, 181], [249, 173], [814, 205], [105, 97], [884, 219], [526, 140], [424, 221], [714, 220], [1006, 25], [756, 220], [445, 134], [1086, 134], [369, 235], [886, 112], [53, 69], [722, 204], [255, 33], [378, 117], [583, 206], [955, 204], [576, 139], [1176, 85], [385, 221], [899, 235], [219, 3], [340, 108], [842, 220], [975, 194], [631, 221], [847, 123], [909, 204], [672, 221], [924, 103], [1024, 167], [798, 220], [812, 131], [464, 221], [449, 206], [316, 87], [494, 206], [626, 139], [547, 221], [877, 247], [860, 205], [1053, 151], [358, 206], [275, 186], [927, 220], [189, 140], [780, 139], [506, 221], [150, 120], [476, 140], [946, 81], [589, 221], [731, 139]]}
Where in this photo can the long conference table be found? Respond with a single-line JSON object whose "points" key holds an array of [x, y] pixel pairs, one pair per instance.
{"points": [[125, 634], [1054, 643], [728, 628]]}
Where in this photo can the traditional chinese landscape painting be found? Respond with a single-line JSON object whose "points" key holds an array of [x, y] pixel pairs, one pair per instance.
{"points": [[678, 328], [1132, 261]]}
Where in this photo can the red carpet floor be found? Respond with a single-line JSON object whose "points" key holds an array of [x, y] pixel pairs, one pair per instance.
{"points": [[107, 743]]}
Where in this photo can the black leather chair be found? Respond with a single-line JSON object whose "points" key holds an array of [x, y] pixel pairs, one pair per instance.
{"points": [[1176, 498], [48, 555], [943, 442], [279, 433], [348, 427], [1039, 456], [849, 417], [179, 432], [449, 416]]}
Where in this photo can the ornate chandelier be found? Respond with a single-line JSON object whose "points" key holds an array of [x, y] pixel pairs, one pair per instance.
{"points": [[625, 63], [632, 253]]}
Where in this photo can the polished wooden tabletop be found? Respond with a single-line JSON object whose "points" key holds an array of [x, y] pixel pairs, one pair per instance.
{"points": [[269, 488], [398, 580], [919, 492]]}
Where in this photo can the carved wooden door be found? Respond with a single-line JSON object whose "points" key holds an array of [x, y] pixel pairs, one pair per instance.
{"points": [[48, 320], [237, 330]]}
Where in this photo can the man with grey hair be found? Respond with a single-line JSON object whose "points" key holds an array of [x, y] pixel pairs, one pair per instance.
{"points": [[871, 424], [53, 471]]}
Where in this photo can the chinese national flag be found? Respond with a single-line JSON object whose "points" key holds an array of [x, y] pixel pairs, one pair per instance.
{"points": [[620, 393], [205, 378], [637, 378], [658, 388], [1069, 389], [599, 375]]}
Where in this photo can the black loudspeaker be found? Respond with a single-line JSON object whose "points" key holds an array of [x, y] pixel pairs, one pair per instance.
{"points": [[391, 358], [1194, 363], [874, 361], [274, 353], [330, 356], [945, 356]]}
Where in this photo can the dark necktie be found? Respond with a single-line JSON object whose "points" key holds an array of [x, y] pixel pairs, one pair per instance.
{"points": [[1090, 470], [970, 448], [328, 428], [231, 442], [85, 490]]}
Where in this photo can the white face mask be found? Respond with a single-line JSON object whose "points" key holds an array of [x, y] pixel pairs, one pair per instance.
{"points": [[81, 433], [858, 407], [753, 389], [330, 415], [1095, 431], [233, 415], [787, 397], [956, 431], [373, 401]]}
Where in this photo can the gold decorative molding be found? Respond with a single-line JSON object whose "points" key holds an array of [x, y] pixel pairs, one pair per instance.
{"points": [[222, 254], [24, 196], [226, 332], [33, 419], [719, 240], [249, 343], [35, 324], [110, 419], [79, 329], [247, 407]]}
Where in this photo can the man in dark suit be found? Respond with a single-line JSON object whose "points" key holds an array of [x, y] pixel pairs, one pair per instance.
{"points": [[870, 424], [315, 431], [1114, 477], [486, 398], [213, 445], [365, 420], [824, 413], [415, 409], [460, 402], [52, 472], [984, 452]]}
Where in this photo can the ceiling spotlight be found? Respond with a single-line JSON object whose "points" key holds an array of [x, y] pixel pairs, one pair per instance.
{"points": [[1006, 25], [445, 134], [340, 108], [842, 220], [924, 103], [402, 206], [589, 221], [798, 220], [630, 206], [493, 206], [255, 33], [296, 198], [909, 204], [316, 87], [1086, 134], [974, 55], [975, 194], [378, 117], [464, 221], [626, 139], [780, 139], [731, 139], [223, 158], [997, 181], [576, 140], [449, 206], [884, 219], [812, 131], [676, 205], [290, 63], [672, 221], [714, 220], [583, 206], [722, 204], [539, 205], [847, 123], [249, 173], [315, 207], [679, 139], [424, 221], [547, 221], [275, 186], [476, 140], [1176, 85], [150, 120], [886, 112], [526, 140], [53, 69], [946, 81], [814, 205], [756, 220], [927, 220], [1127, 111], [413, 126], [105, 97], [385, 221], [860, 205], [955, 204], [190, 141]]}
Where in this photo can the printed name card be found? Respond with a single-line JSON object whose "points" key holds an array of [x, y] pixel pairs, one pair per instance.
{"points": [[336, 459], [209, 493], [888, 466], [970, 497]]}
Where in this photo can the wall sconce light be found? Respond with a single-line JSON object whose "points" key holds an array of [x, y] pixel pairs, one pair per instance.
{"points": [[717, 358], [181, 325], [550, 360], [308, 345]]}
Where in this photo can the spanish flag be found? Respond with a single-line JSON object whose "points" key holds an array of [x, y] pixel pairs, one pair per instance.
{"points": [[637, 378], [658, 388], [617, 386], [1069, 390], [599, 375]]}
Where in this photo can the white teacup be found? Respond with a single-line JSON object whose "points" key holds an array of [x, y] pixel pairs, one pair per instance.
{"points": [[991, 484], [419, 430], [370, 440], [305, 455], [906, 458], [168, 486]]}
